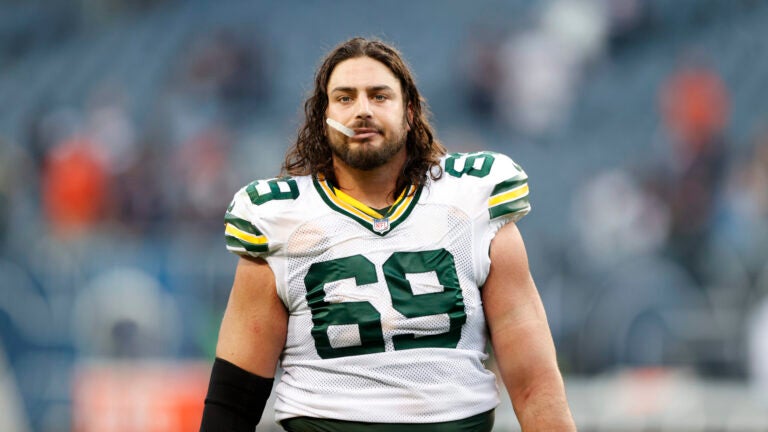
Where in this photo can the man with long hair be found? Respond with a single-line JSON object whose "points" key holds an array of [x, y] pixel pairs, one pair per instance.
{"points": [[376, 268]]}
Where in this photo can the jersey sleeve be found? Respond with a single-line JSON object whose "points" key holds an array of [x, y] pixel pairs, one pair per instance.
{"points": [[241, 227], [508, 197], [496, 188], [259, 218]]}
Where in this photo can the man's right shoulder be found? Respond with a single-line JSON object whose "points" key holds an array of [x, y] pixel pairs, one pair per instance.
{"points": [[260, 213]]}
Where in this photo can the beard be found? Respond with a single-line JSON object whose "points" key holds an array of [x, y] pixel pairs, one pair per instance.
{"points": [[363, 156]]}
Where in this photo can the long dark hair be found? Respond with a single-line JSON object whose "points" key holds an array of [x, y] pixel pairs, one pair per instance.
{"points": [[311, 154]]}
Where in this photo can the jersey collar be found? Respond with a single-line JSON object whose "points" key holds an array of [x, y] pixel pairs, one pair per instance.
{"points": [[371, 219]]}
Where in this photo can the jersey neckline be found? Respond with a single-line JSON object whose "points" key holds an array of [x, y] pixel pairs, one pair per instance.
{"points": [[378, 223]]}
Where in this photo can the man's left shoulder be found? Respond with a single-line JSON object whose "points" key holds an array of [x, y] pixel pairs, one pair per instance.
{"points": [[494, 180], [480, 167]]}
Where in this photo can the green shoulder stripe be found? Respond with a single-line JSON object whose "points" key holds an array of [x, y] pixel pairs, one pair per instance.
{"points": [[237, 245], [517, 206], [509, 184], [241, 224], [241, 235]]}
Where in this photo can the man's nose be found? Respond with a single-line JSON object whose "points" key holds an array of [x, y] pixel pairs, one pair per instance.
{"points": [[363, 108]]}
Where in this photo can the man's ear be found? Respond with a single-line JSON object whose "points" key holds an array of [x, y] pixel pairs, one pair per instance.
{"points": [[409, 113]]}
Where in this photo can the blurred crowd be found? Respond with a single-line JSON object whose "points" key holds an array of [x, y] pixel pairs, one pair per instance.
{"points": [[111, 210]]}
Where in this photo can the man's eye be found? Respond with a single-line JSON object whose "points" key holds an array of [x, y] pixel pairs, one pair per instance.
{"points": [[345, 99], [380, 98]]}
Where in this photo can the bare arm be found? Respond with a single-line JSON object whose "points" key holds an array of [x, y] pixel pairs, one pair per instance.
{"points": [[521, 339], [251, 337], [255, 323]]}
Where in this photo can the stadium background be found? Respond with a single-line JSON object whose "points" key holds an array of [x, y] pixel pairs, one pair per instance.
{"points": [[126, 126]]}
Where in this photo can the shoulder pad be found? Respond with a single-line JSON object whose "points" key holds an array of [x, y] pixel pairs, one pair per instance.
{"points": [[497, 177], [246, 222]]}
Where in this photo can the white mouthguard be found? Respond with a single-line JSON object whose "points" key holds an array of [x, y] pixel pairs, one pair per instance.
{"points": [[340, 127]]}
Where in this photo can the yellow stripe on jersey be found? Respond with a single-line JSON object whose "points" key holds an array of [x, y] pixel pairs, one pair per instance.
{"points": [[508, 196], [341, 203], [406, 198], [357, 204], [370, 218], [244, 236], [352, 205]]}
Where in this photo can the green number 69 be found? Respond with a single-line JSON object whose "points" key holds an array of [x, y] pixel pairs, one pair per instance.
{"points": [[368, 319]]}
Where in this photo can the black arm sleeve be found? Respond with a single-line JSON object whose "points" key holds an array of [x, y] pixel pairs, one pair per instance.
{"points": [[235, 399]]}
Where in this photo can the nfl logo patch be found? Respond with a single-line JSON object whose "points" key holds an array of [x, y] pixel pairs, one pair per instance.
{"points": [[381, 225]]}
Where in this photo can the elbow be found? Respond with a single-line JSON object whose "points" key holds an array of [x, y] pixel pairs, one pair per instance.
{"points": [[545, 384]]}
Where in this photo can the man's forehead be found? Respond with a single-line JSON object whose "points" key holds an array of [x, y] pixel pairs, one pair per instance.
{"points": [[362, 72]]}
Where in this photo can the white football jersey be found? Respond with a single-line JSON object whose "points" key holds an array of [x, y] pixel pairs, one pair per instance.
{"points": [[386, 321]]}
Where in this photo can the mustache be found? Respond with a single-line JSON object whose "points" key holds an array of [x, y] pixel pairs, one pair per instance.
{"points": [[366, 124]]}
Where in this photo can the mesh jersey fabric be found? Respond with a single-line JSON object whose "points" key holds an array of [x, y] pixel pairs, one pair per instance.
{"points": [[385, 314]]}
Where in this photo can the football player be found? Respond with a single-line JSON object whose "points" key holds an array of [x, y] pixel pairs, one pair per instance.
{"points": [[375, 270]]}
